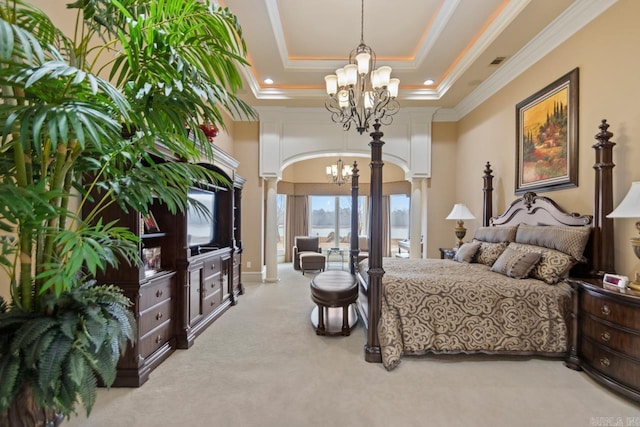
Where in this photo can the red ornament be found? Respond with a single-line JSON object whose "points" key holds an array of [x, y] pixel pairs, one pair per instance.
{"points": [[210, 131]]}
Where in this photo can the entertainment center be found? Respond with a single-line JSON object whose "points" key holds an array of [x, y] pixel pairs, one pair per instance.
{"points": [[190, 273]]}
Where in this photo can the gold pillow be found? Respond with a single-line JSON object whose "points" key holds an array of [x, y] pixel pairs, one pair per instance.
{"points": [[488, 253], [553, 266]]}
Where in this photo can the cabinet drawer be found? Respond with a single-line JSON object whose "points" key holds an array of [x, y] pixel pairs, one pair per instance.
{"points": [[156, 338], [610, 336], [212, 300], [211, 285], [620, 368], [156, 291], [154, 316], [211, 266], [607, 309]]}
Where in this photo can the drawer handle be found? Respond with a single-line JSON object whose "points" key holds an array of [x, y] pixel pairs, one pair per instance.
{"points": [[158, 339], [605, 362], [605, 336], [605, 310], [213, 303], [159, 316], [159, 293]]}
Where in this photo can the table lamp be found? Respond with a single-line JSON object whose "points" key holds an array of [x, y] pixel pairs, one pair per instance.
{"points": [[630, 208], [460, 212]]}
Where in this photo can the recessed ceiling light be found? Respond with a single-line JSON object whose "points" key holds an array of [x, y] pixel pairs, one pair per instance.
{"points": [[428, 82], [268, 81]]}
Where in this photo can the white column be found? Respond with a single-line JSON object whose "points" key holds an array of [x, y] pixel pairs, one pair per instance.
{"points": [[415, 218], [271, 230]]}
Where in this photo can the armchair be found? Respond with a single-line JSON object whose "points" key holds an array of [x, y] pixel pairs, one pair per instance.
{"points": [[304, 244], [363, 246]]}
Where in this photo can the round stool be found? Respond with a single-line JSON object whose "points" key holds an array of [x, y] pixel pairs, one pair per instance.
{"points": [[334, 289]]}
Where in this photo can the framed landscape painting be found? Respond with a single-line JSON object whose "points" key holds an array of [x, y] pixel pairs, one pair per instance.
{"points": [[547, 137]]}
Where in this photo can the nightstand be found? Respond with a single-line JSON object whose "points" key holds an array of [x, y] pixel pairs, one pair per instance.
{"points": [[609, 336], [447, 253]]}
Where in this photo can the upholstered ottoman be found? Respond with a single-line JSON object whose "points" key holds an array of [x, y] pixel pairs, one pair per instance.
{"points": [[312, 261], [337, 291]]}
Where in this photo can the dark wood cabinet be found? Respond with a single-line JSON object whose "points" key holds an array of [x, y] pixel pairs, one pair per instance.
{"points": [[179, 290], [609, 336]]}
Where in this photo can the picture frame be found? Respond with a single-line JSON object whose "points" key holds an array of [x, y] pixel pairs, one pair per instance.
{"points": [[150, 224], [547, 137], [151, 260]]}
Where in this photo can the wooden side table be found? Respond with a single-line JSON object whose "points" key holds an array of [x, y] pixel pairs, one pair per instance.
{"points": [[608, 326], [447, 253]]}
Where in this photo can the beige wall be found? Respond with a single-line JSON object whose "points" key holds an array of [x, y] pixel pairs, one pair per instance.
{"points": [[441, 188], [606, 53], [246, 151]]}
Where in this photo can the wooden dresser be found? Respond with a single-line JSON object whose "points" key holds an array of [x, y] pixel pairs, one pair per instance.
{"points": [[609, 336]]}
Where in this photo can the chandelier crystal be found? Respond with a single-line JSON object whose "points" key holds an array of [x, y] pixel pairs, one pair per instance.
{"points": [[339, 173], [359, 92]]}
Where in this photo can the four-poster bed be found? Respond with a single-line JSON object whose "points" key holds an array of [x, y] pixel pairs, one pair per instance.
{"points": [[380, 291]]}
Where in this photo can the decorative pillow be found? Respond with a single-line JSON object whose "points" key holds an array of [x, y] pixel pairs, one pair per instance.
{"points": [[553, 265], [516, 264], [488, 253], [466, 252], [496, 234], [570, 240]]}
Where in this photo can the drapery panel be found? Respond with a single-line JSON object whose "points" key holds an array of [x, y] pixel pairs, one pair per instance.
{"points": [[296, 222]]}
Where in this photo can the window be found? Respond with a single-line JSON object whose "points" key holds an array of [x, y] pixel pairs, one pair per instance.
{"points": [[400, 219], [330, 219]]}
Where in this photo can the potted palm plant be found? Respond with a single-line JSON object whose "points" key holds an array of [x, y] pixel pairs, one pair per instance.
{"points": [[83, 114]]}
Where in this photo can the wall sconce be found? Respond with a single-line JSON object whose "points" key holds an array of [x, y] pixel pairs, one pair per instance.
{"points": [[460, 212], [629, 207]]}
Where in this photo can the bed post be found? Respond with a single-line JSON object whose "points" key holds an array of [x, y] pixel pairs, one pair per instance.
{"points": [[487, 189], [372, 347], [603, 253], [355, 248]]}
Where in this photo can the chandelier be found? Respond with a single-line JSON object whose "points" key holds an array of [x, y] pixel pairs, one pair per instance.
{"points": [[339, 173], [359, 92]]}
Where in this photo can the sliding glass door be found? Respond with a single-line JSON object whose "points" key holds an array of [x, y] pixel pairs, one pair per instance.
{"points": [[330, 219]]}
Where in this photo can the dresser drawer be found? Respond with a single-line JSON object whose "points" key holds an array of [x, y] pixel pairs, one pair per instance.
{"points": [[610, 336], [211, 266], [154, 316], [156, 291], [618, 367], [211, 285], [156, 338], [607, 309], [212, 300]]}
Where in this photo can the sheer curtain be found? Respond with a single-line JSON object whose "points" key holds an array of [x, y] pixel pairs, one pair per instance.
{"points": [[296, 222]]}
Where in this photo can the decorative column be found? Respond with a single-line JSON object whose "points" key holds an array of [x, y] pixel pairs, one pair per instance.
{"points": [[372, 347], [415, 238], [355, 244], [603, 250], [271, 230]]}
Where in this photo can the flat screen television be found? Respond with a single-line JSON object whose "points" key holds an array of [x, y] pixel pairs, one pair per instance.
{"points": [[201, 227]]}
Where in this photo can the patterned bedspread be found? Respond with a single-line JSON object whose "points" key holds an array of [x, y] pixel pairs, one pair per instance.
{"points": [[433, 305]]}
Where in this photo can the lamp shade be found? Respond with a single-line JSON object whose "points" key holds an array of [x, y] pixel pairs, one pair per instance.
{"points": [[629, 207], [460, 212]]}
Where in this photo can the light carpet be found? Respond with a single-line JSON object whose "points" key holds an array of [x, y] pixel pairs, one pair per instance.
{"points": [[261, 364]]}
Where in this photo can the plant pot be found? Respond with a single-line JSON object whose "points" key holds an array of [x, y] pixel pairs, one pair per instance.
{"points": [[25, 412]]}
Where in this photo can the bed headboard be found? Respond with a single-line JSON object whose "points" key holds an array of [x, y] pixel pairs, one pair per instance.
{"points": [[538, 210], [532, 209]]}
